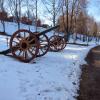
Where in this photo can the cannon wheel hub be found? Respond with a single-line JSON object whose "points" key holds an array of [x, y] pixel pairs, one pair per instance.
{"points": [[24, 45]]}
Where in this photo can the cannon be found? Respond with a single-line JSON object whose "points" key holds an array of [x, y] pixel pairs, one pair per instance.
{"points": [[26, 45]]}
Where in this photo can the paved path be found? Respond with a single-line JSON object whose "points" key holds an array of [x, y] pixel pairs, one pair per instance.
{"points": [[90, 83]]}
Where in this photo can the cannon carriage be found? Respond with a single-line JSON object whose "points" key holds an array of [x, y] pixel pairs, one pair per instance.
{"points": [[26, 45]]}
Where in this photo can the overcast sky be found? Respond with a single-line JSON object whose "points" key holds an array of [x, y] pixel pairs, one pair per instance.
{"points": [[94, 9]]}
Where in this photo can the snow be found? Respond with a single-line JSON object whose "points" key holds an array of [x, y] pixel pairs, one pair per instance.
{"points": [[10, 27], [54, 76]]}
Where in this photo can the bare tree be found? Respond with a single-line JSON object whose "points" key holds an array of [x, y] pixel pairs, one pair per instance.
{"points": [[15, 9], [74, 17], [3, 11], [95, 29], [53, 8], [74, 2]]}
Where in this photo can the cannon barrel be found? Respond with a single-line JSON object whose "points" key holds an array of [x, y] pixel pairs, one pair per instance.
{"points": [[43, 32], [48, 30]]}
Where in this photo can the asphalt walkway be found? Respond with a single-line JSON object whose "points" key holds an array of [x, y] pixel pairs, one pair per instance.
{"points": [[90, 79]]}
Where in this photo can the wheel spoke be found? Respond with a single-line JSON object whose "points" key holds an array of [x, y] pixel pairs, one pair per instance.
{"points": [[23, 54], [43, 44], [32, 49], [15, 48], [42, 41], [30, 52], [15, 42], [28, 38], [24, 35], [26, 55], [31, 40], [41, 38], [42, 50], [17, 38], [33, 45], [54, 46], [20, 53]]}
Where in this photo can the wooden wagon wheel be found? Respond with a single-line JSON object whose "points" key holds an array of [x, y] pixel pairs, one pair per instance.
{"points": [[63, 43], [44, 44], [57, 43], [54, 45], [24, 45]]}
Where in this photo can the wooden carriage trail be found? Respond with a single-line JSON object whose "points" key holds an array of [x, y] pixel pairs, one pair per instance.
{"points": [[90, 79]]}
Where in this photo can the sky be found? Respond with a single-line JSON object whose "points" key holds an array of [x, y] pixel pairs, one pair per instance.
{"points": [[94, 9]]}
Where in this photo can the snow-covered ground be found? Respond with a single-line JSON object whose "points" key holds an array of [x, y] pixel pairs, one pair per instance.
{"points": [[10, 27], [54, 76]]}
